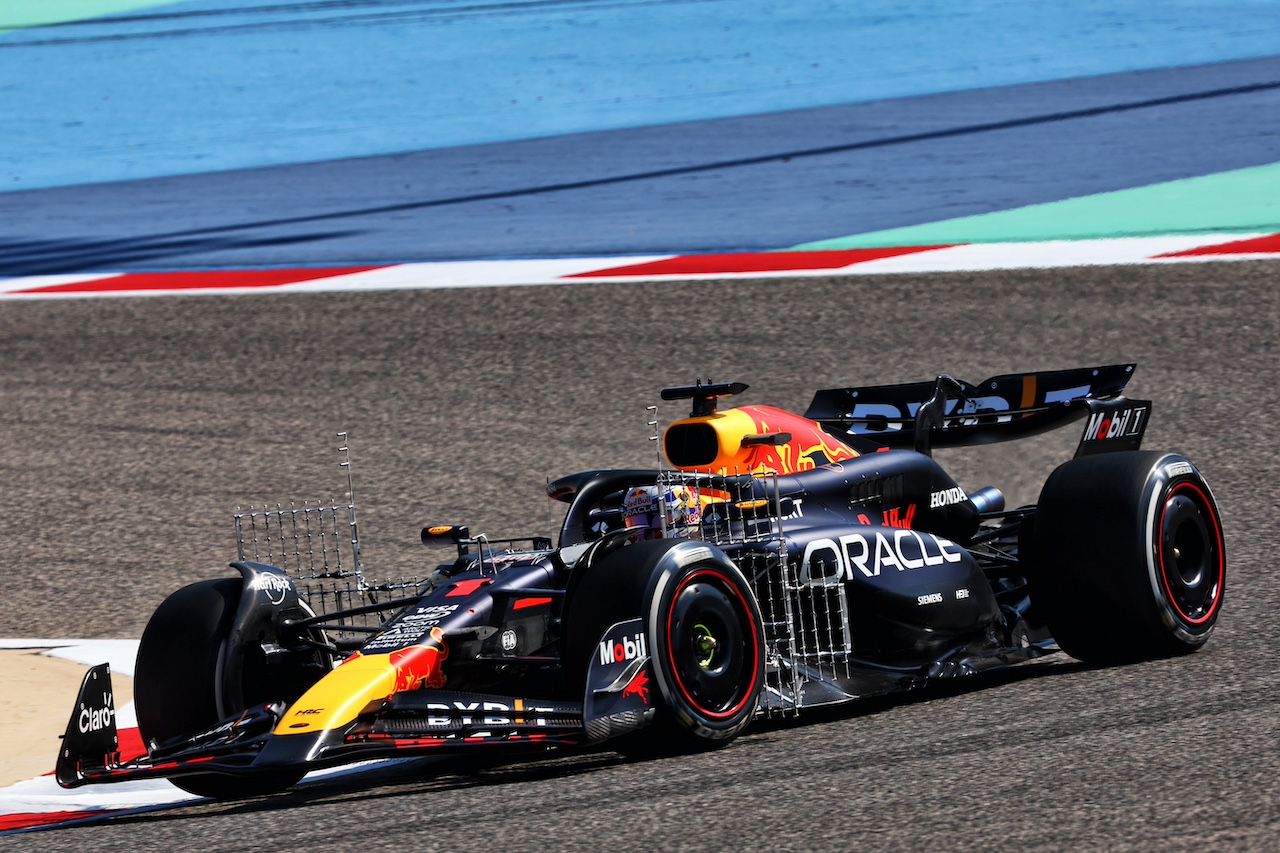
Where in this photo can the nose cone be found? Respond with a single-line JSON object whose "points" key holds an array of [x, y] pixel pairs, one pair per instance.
{"points": [[338, 698]]}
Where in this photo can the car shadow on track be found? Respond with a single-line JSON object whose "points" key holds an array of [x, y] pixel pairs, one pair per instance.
{"points": [[1052, 666], [390, 780], [414, 777]]}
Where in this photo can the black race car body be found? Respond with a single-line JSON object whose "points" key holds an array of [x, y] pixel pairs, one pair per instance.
{"points": [[784, 562]]}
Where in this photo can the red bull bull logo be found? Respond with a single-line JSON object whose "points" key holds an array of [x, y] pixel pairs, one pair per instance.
{"points": [[808, 448], [717, 443], [419, 666]]}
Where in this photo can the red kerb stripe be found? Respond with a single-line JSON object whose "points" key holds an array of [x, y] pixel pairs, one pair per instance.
{"points": [[197, 280], [1257, 245], [23, 821], [757, 262], [130, 744]]}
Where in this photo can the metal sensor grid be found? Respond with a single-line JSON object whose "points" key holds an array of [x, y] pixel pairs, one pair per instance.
{"points": [[318, 546], [745, 509]]}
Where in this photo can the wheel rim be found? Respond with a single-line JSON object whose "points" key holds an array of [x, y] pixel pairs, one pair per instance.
{"points": [[1190, 554], [711, 645], [705, 645]]}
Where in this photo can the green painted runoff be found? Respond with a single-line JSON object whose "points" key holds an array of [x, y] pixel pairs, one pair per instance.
{"points": [[20, 14], [1240, 201]]}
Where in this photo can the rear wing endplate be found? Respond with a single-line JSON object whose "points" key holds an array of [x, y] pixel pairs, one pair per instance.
{"points": [[1116, 424], [949, 412]]}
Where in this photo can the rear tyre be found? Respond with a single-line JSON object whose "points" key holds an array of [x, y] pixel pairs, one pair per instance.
{"points": [[1127, 559], [704, 630], [176, 688]]}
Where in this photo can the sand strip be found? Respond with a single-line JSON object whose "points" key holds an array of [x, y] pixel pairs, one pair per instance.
{"points": [[35, 704]]}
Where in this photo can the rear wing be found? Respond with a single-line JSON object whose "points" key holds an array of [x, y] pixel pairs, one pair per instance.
{"points": [[948, 412]]}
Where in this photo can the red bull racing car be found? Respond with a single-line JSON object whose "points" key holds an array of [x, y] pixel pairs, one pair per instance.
{"points": [[775, 562]]}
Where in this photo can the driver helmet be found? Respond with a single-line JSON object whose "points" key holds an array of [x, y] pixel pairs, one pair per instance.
{"points": [[643, 506]]}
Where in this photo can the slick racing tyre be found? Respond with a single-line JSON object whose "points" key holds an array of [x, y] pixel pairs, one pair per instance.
{"points": [[1127, 560], [705, 633], [176, 688]]}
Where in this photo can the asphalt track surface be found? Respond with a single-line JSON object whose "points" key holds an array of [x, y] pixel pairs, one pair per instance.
{"points": [[133, 427]]}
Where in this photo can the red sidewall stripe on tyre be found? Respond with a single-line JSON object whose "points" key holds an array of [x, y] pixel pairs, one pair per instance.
{"points": [[1220, 556], [755, 647]]}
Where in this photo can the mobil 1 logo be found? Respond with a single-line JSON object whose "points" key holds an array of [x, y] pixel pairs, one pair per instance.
{"points": [[1114, 425]]}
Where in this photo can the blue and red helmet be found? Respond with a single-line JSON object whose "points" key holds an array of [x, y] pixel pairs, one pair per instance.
{"points": [[643, 509]]}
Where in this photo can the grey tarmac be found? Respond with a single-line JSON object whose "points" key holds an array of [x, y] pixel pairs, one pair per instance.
{"points": [[134, 427]]}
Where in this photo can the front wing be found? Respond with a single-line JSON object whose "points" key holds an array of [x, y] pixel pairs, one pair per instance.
{"points": [[617, 700]]}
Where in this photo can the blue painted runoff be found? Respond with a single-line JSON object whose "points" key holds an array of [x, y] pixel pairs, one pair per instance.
{"points": [[209, 85]]}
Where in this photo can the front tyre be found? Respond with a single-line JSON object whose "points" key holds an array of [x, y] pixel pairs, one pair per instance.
{"points": [[705, 633], [1127, 557], [176, 689], [708, 646]]}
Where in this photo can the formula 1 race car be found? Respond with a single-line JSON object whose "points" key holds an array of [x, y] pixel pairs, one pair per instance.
{"points": [[775, 563]]}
